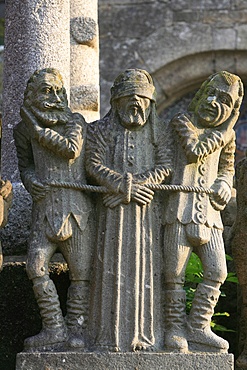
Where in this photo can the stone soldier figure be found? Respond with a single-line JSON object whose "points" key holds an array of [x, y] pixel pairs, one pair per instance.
{"points": [[123, 154], [204, 143], [49, 148]]}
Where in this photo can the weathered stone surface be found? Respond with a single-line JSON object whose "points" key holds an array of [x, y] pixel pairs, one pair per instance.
{"points": [[84, 57], [241, 36], [224, 38], [123, 361], [36, 36], [84, 30]]}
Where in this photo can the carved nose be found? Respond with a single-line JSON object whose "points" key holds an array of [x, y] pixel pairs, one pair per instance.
{"points": [[56, 97], [58, 100], [136, 97]]}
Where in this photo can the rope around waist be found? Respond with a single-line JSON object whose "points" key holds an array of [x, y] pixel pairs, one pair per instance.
{"points": [[103, 189]]}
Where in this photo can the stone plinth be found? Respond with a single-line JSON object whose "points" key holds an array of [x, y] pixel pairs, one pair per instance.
{"points": [[123, 361]]}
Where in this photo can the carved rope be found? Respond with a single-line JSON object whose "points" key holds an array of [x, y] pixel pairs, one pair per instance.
{"points": [[103, 189]]}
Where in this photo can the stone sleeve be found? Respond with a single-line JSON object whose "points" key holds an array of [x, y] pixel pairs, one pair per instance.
{"points": [[96, 165], [68, 145], [163, 160], [24, 154], [226, 162]]}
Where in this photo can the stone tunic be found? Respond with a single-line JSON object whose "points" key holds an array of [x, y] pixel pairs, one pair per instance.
{"points": [[210, 161]]}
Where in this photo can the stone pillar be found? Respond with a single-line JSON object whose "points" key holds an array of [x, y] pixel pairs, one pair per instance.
{"points": [[84, 58], [36, 36]]}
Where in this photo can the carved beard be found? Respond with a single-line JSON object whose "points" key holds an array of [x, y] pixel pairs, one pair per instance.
{"points": [[134, 117], [51, 114]]}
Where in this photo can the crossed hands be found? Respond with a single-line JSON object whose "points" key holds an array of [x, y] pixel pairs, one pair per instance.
{"points": [[5, 188], [138, 193]]}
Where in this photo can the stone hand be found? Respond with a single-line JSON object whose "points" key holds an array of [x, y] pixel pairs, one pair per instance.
{"points": [[113, 200], [221, 195], [38, 190], [6, 189], [141, 194]]}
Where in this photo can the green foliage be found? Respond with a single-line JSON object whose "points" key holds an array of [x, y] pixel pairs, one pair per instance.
{"points": [[193, 276]]}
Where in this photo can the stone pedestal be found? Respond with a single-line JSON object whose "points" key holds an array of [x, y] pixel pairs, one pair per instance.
{"points": [[123, 361]]}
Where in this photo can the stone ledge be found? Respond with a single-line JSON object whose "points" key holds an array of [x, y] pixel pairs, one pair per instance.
{"points": [[123, 361]]}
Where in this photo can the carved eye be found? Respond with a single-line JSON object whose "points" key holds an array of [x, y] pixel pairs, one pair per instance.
{"points": [[225, 100], [46, 90]]}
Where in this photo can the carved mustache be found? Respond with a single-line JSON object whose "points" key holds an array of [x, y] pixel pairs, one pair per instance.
{"points": [[53, 105]]}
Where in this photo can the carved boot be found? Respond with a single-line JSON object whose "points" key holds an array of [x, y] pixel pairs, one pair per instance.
{"points": [[200, 336], [174, 310], [77, 313], [54, 330]]}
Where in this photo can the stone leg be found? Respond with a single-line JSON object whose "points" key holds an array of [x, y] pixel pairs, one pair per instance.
{"points": [[175, 321], [77, 312], [200, 336], [54, 330]]}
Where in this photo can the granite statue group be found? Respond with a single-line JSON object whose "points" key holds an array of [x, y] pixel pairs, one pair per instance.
{"points": [[126, 199]]}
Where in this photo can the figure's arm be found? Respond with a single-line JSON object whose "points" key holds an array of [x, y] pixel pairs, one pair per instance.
{"points": [[26, 162], [96, 166], [196, 148], [68, 145], [223, 184], [163, 161]]}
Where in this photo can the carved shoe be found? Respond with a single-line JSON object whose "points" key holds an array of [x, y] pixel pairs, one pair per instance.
{"points": [[205, 340], [75, 340], [46, 338], [175, 341]]}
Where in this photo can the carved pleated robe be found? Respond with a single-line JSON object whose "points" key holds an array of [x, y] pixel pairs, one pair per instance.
{"points": [[127, 246]]}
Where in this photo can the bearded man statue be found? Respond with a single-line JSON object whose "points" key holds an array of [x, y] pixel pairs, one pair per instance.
{"points": [[123, 153], [49, 146]]}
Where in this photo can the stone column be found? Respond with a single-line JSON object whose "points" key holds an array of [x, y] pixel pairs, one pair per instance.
{"points": [[84, 58], [36, 36]]}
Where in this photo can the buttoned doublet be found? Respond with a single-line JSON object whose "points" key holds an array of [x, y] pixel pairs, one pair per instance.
{"points": [[61, 216], [201, 157]]}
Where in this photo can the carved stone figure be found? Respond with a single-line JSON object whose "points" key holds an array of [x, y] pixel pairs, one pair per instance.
{"points": [[6, 196], [49, 146], [203, 145], [123, 155], [239, 251]]}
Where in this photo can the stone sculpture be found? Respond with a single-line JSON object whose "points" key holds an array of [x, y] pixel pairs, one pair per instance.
{"points": [[50, 149], [239, 251], [6, 196], [123, 154], [203, 139]]}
